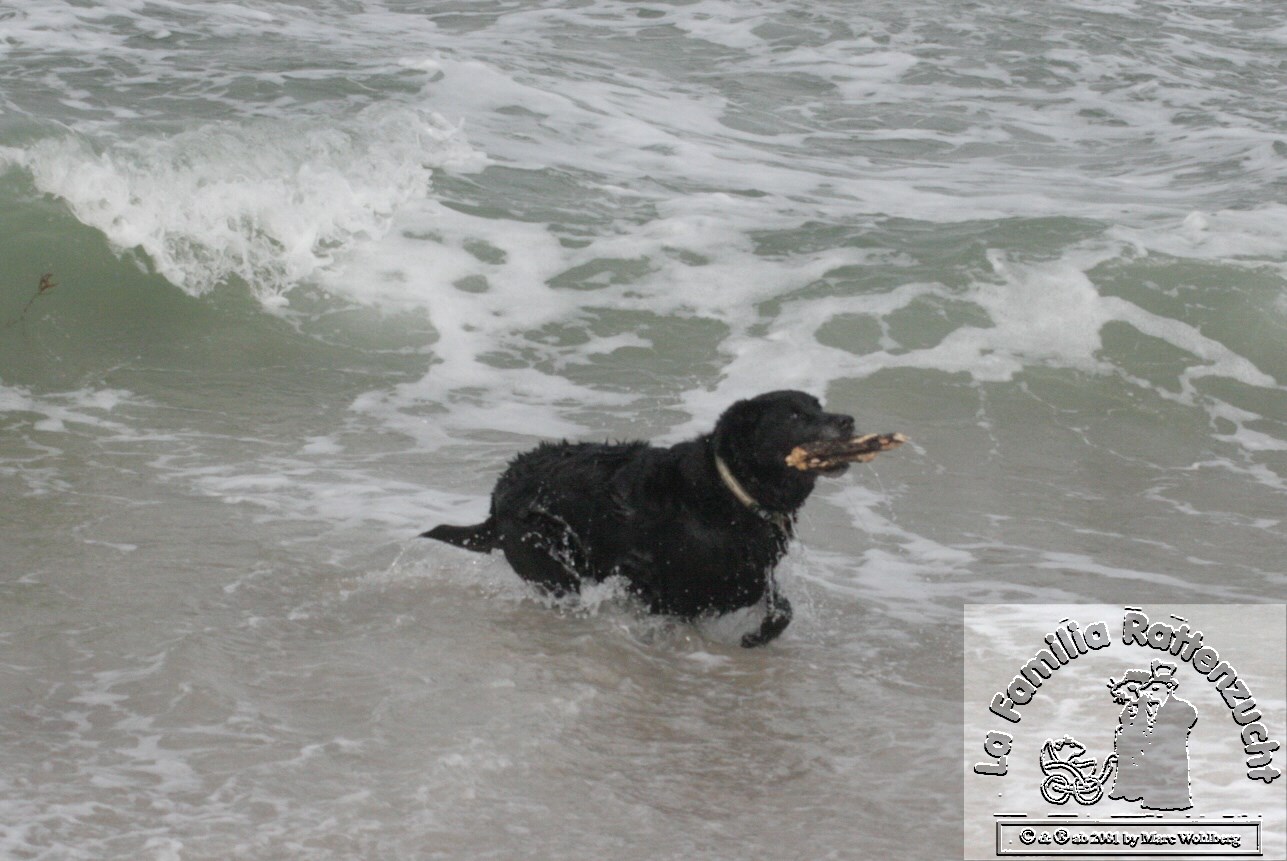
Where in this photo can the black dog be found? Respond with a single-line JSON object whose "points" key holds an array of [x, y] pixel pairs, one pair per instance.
{"points": [[695, 528]]}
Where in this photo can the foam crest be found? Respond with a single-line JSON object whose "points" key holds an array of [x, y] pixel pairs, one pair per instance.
{"points": [[60, 413], [269, 202], [483, 283], [1049, 314], [1248, 237], [722, 23], [520, 315]]}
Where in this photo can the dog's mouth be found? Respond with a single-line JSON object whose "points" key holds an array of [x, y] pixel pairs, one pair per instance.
{"points": [[831, 457]]}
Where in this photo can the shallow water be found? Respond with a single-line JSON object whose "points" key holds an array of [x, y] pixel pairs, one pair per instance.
{"points": [[322, 269]]}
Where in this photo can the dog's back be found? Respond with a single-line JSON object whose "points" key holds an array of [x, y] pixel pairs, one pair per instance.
{"points": [[562, 480], [572, 480]]}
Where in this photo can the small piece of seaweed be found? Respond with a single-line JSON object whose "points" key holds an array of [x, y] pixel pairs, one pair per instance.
{"points": [[46, 284]]}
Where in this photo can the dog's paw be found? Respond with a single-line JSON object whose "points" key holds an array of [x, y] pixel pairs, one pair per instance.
{"points": [[770, 629]]}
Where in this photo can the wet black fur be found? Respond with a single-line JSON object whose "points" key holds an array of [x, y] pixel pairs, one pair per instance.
{"points": [[661, 517]]}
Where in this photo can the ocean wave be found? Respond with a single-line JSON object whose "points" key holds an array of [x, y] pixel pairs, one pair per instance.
{"points": [[270, 203]]}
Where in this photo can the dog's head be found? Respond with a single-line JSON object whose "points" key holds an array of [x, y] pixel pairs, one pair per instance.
{"points": [[755, 436]]}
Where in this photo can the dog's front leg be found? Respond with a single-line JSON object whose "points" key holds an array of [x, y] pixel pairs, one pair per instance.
{"points": [[775, 620]]}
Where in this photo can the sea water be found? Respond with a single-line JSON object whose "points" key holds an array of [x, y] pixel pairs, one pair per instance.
{"points": [[314, 271]]}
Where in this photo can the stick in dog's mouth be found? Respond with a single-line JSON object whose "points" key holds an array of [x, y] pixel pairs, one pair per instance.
{"points": [[829, 454]]}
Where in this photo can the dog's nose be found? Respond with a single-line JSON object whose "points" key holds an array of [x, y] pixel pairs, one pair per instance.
{"points": [[844, 425]]}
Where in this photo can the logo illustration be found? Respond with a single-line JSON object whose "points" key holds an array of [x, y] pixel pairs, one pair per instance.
{"points": [[1152, 739], [1070, 774], [1160, 740]]}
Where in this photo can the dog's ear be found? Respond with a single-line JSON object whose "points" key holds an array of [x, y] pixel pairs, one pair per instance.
{"points": [[736, 421], [737, 430]]}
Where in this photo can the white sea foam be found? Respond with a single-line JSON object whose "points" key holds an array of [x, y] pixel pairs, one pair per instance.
{"points": [[58, 413], [1245, 237]]}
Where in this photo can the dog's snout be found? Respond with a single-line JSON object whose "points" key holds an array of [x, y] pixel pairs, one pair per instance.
{"points": [[841, 425]]}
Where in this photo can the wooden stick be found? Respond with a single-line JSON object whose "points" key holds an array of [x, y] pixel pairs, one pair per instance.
{"points": [[826, 454]]}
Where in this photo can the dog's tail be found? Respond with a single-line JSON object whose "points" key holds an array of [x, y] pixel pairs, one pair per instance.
{"points": [[481, 538]]}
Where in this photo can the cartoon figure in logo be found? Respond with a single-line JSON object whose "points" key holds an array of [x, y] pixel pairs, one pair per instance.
{"points": [[1152, 739], [1070, 774]]}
